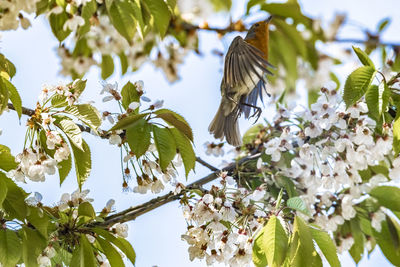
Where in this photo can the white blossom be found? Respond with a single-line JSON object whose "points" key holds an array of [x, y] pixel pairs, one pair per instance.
{"points": [[73, 23], [121, 229]]}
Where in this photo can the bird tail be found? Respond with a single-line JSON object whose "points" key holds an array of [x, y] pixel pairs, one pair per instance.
{"points": [[226, 126]]}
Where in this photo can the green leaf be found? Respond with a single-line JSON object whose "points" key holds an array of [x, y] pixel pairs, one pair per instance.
{"points": [[61, 3], [357, 84], [335, 78], [221, 5], [304, 247], [64, 168], [120, 242], [312, 96], [377, 99], [14, 203], [83, 255], [385, 241], [82, 49], [70, 128], [289, 186], [293, 36], [279, 199], [185, 149], [365, 221], [138, 137], [83, 162], [62, 257], [111, 253], [251, 134], [86, 209], [7, 160], [10, 247], [171, 4], [57, 25], [258, 256], [252, 3], [396, 134], [77, 87], [3, 191], [396, 63], [33, 244], [275, 242], [124, 63], [289, 9], [7, 66], [38, 219], [326, 245], [107, 66], [136, 10], [382, 24], [85, 113], [388, 196], [12, 94], [129, 94], [165, 144], [288, 59], [313, 54], [357, 250], [363, 57], [4, 95], [297, 203], [122, 18], [59, 101], [394, 231], [176, 120], [87, 12], [127, 121], [161, 15]]}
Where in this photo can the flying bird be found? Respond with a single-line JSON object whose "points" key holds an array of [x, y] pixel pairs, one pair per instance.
{"points": [[243, 82]]}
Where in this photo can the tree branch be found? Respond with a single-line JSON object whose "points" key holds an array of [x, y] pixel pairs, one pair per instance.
{"points": [[239, 27], [134, 212], [360, 41], [26, 111]]}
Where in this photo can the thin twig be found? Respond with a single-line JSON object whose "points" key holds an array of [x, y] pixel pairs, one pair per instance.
{"points": [[206, 164]]}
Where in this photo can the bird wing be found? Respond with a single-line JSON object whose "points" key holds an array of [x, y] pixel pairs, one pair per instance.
{"points": [[244, 67]]}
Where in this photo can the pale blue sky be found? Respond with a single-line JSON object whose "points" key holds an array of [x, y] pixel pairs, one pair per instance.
{"points": [[156, 235]]}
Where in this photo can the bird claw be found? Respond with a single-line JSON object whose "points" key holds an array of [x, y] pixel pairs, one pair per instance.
{"points": [[257, 114]]}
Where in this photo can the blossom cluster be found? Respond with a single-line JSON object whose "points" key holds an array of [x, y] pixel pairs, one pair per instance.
{"points": [[35, 165], [103, 39], [214, 149], [61, 90], [223, 222], [43, 155], [324, 151], [146, 169], [11, 13]]}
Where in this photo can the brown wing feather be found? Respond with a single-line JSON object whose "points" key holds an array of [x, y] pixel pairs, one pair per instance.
{"points": [[243, 63]]}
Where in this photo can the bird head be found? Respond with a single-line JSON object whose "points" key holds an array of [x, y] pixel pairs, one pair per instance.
{"points": [[260, 27]]}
